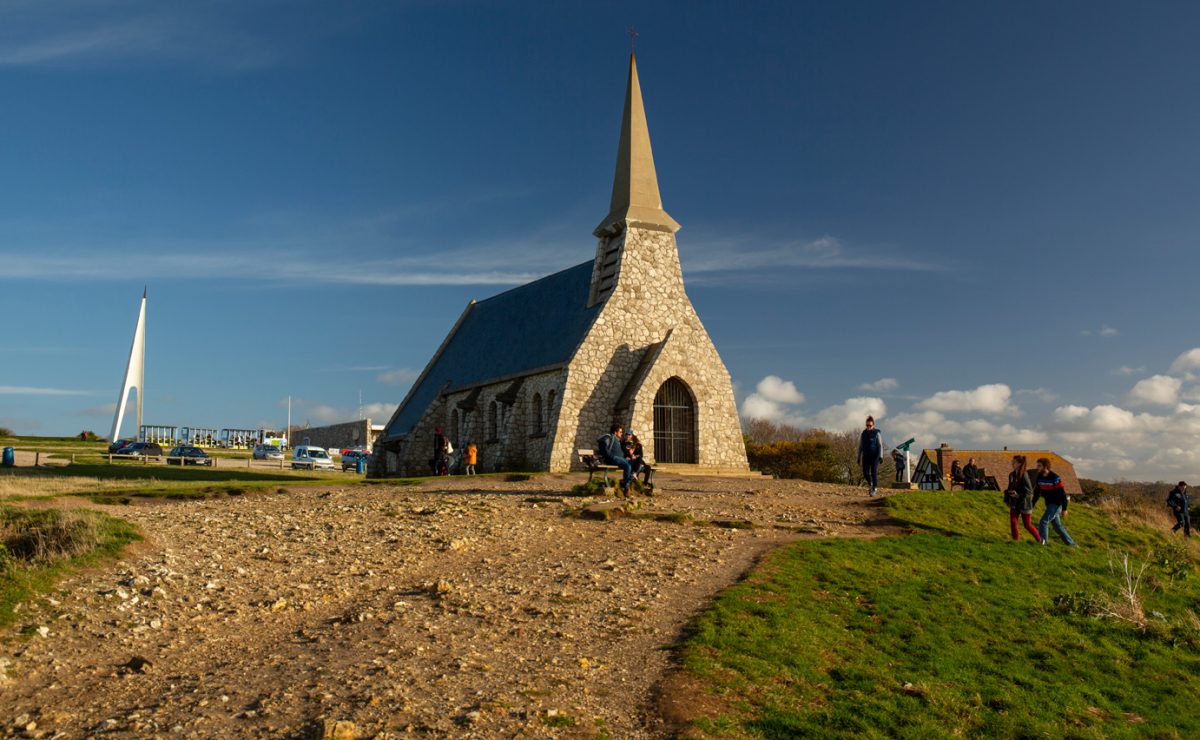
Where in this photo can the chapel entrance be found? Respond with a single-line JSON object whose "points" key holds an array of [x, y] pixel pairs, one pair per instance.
{"points": [[674, 423]]}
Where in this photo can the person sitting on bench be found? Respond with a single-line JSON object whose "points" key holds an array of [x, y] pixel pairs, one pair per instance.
{"points": [[973, 476], [637, 458], [612, 452], [956, 475]]}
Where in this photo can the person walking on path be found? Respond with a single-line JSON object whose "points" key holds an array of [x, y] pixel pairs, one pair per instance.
{"points": [[1050, 487], [1019, 497], [472, 457], [870, 453], [1181, 506], [613, 453]]}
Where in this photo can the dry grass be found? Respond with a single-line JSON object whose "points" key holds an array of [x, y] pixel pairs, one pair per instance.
{"points": [[21, 486], [46, 535], [1134, 510]]}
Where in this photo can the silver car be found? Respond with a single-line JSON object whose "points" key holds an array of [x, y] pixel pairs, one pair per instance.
{"points": [[267, 452]]}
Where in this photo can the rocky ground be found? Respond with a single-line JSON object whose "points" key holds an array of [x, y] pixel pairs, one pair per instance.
{"points": [[465, 607]]}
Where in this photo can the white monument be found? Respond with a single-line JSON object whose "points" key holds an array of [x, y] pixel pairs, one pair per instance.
{"points": [[135, 374]]}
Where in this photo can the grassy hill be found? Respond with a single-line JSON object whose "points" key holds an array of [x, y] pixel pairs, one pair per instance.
{"points": [[956, 630]]}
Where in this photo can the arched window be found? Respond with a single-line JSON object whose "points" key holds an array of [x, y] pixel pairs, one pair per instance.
{"points": [[536, 414], [675, 423], [493, 427]]}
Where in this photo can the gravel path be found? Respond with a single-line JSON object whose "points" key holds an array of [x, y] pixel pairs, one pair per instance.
{"points": [[470, 607]]}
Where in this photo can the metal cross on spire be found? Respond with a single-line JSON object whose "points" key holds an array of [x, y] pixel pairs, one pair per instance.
{"points": [[632, 35]]}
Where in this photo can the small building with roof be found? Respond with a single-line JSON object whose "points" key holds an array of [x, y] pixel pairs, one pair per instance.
{"points": [[932, 472], [534, 374]]}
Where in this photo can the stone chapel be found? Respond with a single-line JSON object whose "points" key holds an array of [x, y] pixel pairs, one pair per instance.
{"points": [[538, 372]]}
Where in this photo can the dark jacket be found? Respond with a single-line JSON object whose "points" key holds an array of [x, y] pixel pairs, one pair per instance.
{"points": [[1178, 500], [1050, 487], [870, 442], [610, 449], [1019, 494]]}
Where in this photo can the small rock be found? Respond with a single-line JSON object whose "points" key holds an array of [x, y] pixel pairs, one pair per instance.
{"points": [[339, 729]]}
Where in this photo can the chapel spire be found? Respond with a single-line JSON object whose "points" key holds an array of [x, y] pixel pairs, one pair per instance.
{"points": [[635, 196]]}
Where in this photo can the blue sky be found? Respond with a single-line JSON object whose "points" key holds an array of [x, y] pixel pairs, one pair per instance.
{"points": [[993, 207]]}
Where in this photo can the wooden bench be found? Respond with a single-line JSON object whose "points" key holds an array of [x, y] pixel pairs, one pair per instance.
{"points": [[593, 462]]}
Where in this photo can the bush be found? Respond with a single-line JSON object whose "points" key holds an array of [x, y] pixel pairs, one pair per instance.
{"points": [[810, 459], [6, 432]]}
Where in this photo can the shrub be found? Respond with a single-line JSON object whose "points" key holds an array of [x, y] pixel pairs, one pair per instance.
{"points": [[6, 432], [809, 459]]}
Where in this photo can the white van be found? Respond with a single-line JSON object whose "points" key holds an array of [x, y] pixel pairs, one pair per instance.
{"points": [[307, 456]]}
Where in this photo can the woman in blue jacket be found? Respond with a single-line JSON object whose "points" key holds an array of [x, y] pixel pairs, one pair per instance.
{"points": [[870, 453]]}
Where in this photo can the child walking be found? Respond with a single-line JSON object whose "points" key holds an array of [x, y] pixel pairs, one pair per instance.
{"points": [[472, 454]]}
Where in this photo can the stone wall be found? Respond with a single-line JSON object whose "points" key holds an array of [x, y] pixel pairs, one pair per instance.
{"points": [[514, 444], [336, 436], [647, 302]]}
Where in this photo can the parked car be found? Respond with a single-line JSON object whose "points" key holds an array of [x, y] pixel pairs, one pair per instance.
{"points": [[267, 452], [188, 455], [143, 449], [350, 458], [119, 445], [308, 456]]}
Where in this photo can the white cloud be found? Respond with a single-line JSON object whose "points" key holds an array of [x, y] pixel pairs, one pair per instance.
{"points": [[1186, 362], [1127, 370], [742, 253], [850, 415], [316, 414], [988, 399], [771, 399], [756, 407], [880, 386], [1158, 390], [398, 376], [379, 412], [775, 388], [27, 390], [1104, 331]]}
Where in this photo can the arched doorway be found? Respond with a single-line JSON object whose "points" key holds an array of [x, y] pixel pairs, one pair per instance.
{"points": [[674, 423]]}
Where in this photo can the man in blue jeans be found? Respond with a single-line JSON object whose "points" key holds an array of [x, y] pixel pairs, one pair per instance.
{"points": [[1050, 487], [613, 454]]}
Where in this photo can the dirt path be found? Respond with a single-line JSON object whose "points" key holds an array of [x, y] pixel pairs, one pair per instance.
{"points": [[433, 608]]}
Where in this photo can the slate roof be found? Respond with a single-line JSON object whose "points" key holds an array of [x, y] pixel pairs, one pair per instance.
{"points": [[535, 326]]}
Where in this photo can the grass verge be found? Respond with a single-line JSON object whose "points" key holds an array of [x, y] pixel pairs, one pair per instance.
{"points": [[956, 630], [39, 546]]}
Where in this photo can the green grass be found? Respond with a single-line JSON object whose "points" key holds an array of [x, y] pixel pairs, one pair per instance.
{"points": [[952, 630], [20, 579]]}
